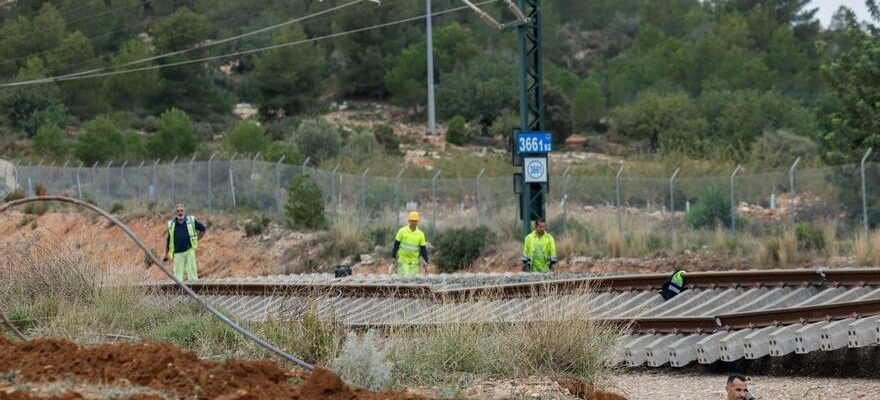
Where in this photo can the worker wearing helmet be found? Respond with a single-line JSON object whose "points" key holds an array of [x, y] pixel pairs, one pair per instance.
{"points": [[539, 249], [409, 244]]}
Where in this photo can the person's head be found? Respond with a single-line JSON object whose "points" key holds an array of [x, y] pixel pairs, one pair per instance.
{"points": [[540, 226], [179, 211], [413, 219], [737, 387]]}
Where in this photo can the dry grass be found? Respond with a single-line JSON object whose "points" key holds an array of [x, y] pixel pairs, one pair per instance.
{"points": [[862, 250]]}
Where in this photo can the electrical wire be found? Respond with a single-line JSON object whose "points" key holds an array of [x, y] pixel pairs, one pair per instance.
{"points": [[92, 74]]}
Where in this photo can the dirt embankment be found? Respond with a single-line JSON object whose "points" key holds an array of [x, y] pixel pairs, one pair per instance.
{"points": [[226, 252], [172, 372], [223, 252]]}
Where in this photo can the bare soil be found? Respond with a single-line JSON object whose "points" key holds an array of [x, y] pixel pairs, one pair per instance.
{"points": [[226, 251], [173, 372]]}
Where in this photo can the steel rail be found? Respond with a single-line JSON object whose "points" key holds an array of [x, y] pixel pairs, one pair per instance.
{"points": [[698, 325], [695, 280], [183, 286]]}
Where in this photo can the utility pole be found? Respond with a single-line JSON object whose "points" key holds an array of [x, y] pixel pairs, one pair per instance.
{"points": [[529, 144], [432, 124]]}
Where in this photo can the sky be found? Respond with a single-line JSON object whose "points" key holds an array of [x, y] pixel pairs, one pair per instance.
{"points": [[827, 8]]}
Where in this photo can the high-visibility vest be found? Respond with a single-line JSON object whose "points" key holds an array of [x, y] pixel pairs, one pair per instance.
{"points": [[190, 229], [674, 285], [411, 242], [540, 251]]}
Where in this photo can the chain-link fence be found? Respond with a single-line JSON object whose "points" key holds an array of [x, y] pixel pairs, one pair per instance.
{"points": [[849, 194]]}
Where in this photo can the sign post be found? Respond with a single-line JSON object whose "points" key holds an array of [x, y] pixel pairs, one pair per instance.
{"points": [[532, 183]]}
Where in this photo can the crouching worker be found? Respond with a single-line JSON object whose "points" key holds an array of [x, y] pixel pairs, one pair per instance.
{"points": [[674, 285]]}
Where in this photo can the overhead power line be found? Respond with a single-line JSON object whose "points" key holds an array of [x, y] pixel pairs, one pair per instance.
{"points": [[85, 75]]}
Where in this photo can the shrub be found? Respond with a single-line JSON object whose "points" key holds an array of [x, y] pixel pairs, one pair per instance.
{"points": [[304, 206], [457, 132], [254, 227], [16, 194], [40, 190], [713, 207], [50, 140], [387, 138], [809, 237], [247, 137], [174, 138], [116, 208], [460, 247], [318, 139], [39, 208], [364, 362], [361, 147]]}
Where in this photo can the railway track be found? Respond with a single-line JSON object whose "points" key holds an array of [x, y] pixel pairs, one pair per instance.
{"points": [[722, 316]]}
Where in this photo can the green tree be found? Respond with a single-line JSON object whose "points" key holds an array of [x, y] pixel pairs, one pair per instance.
{"points": [[318, 139], [557, 113], [362, 146], [406, 81], [387, 138], [737, 118], [669, 122], [174, 138], [247, 138], [48, 29], [589, 105], [50, 140], [15, 42], [456, 132], [188, 87], [132, 91], [480, 90], [305, 205], [28, 106], [100, 141], [290, 79], [855, 79], [82, 96]]}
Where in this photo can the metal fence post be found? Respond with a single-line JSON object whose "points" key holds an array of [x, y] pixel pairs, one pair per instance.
{"points": [[95, 180], [564, 202], [865, 191], [672, 197], [617, 201], [232, 180], [79, 190], [333, 193], [173, 174], [397, 196], [190, 194], [210, 182], [791, 191], [63, 170], [140, 181], [434, 203], [363, 193], [479, 197], [17, 176], [30, 187], [302, 169], [107, 181], [254, 181], [733, 198], [278, 193], [155, 192], [122, 178]]}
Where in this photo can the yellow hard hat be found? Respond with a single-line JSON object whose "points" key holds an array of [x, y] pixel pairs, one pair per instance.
{"points": [[413, 216]]}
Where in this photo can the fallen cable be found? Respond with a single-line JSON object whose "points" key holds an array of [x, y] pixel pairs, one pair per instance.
{"points": [[256, 339]]}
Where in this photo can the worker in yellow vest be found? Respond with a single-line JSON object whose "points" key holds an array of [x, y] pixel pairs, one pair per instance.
{"points": [[409, 244], [539, 249], [184, 233]]}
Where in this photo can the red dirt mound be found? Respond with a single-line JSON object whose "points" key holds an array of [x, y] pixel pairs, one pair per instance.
{"points": [[180, 373]]}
